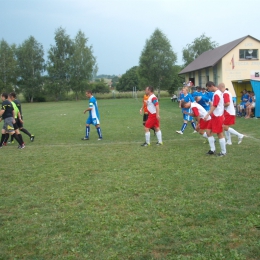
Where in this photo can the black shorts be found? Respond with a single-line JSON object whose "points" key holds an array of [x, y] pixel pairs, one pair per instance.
{"points": [[145, 117], [19, 124]]}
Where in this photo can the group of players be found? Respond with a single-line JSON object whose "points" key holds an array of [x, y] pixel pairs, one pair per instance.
{"points": [[11, 113], [213, 110]]}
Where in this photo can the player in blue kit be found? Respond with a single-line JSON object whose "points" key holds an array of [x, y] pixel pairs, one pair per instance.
{"points": [[93, 118], [186, 97]]}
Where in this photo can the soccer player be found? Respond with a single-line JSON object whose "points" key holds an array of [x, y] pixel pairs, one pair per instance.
{"points": [[8, 115], [186, 97], [144, 110], [153, 117], [93, 116], [17, 117], [198, 112], [229, 115], [20, 122], [217, 117]]}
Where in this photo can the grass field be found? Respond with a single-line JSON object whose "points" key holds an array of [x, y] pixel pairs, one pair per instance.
{"points": [[63, 198]]}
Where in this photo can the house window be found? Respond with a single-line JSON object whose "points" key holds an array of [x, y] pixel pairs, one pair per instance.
{"points": [[248, 54], [207, 74], [215, 74], [200, 81]]}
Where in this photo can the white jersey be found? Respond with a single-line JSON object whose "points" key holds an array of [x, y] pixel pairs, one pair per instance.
{"points": [[218, 102], [152, 102], [230, 109], [201, 110]]}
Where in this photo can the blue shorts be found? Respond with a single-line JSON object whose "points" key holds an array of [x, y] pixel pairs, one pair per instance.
{"points": [[92, 121], [187, 117]]}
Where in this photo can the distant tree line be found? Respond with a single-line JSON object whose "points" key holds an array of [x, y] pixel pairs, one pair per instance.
{"points": [[71, 67]]}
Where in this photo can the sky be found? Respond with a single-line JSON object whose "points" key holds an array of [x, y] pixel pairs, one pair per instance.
{"points": [[117, 30]]}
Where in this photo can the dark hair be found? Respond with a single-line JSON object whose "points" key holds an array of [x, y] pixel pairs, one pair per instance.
{"points": [[5, 95], [150, 88], [210, 84], [12, 94], [89, 91]]}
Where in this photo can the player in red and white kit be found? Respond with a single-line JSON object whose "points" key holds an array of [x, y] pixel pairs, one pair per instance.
{"points": [[153, 117], [217, 117], [229, 115], [199, 112]]}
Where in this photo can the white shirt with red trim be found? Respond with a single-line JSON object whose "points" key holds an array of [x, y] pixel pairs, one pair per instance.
{"points": [[152, 102], [230, 109], [218, 103], [199, 111]]}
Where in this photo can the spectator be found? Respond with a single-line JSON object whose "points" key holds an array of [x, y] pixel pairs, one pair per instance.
{"points": [[174, 98], [241, 107], [250, 105]]}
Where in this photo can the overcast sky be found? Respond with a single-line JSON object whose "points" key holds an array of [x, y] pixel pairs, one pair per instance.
{"points": [[118, 29]]}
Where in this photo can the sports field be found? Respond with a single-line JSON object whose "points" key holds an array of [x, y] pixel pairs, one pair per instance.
{"points": [[63, 198]]}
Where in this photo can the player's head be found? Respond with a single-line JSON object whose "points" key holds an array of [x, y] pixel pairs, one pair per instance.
{"points": [[12, 95], [210, 85], [185, 104], [88, 93], [185, 90], [222, 87], [4, 96], [149, 90]]}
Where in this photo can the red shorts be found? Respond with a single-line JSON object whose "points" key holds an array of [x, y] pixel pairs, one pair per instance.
{"points": [[216, 124], [152, 121], [204, 124], [229, 119]]}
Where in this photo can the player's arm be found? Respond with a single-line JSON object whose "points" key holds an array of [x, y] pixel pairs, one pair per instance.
{"points": [[157, 111], [1, 112], [226, 100]]}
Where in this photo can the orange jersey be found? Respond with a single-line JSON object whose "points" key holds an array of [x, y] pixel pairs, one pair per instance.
{"points": [[145, 103]]}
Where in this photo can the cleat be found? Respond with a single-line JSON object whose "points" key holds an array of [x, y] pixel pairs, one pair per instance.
{"points": [[229, 143], [206, 141], [159, 143], [21, 146], [1, 146], [99, 139], [194, 132], [84, 138], [221, 154], [32, 138], [145, 144], [240, 139], [179, 132], [211, 152], [4, 144]]}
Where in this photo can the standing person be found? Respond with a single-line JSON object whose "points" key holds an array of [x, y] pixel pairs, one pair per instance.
{"points": [[217, 117], [7, 113], [20, 122], [229, 115], [153, 117], [17, 117], [93, 116], [186, 97], [144, 110]]}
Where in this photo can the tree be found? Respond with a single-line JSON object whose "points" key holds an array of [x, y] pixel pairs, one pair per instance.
{"points": [[156, 64], [82, 64], [58, 65], [129, 80], [30, 67], [177, 80], [196, 48], [7, 67]]}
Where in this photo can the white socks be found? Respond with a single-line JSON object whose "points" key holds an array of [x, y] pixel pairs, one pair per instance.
{"points": [[147, 137], [222, 143], [159, 136], [212, 143], [234, 132]]}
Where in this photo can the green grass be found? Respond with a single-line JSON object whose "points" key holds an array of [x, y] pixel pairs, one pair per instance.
{"points": [[63, 198]]}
